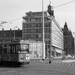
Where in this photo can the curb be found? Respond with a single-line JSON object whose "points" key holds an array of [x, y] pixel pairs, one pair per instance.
{"points": [[63, 63], [58, 63]]}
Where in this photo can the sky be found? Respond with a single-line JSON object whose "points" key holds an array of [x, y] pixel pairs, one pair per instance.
{"points": [[11, 10]]}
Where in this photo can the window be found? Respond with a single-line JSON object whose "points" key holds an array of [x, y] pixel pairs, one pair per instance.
{"points": [[37, 30], [26, 25], [47, 30], [23, 26], [35, 52], [29, 25], [33, 19], [18, 48], [47, 36], [13, 49], [4, 49], [47, 25], [48, 42], [8, 49], [25, 48], [37, 36], [33, 25], [36, 25]]}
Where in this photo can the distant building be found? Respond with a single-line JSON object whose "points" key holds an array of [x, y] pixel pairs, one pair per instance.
{"points": [[32, 29], [8, 35], [68, 40]]}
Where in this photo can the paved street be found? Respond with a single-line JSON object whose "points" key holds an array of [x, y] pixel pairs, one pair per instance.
{"points": [[36, 68]]}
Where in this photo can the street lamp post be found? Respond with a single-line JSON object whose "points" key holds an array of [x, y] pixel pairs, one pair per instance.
{"points": [[14, 31]]}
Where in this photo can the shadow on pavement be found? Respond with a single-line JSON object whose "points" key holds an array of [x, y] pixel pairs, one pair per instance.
{"points": [[7, 65]]}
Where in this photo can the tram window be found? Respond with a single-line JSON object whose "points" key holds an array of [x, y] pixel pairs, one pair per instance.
{"points": [[24, 47], [13, 49], [8, 49], [17, 48], [4, 49]]}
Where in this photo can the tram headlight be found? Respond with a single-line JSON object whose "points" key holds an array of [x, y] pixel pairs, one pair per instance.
{"points": [[27, 58]]}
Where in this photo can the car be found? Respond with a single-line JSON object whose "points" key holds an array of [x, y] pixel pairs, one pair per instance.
{"points": [[68, 56]]}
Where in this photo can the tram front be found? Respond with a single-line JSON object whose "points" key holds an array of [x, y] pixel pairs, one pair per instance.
{"points": [[24, 56]]}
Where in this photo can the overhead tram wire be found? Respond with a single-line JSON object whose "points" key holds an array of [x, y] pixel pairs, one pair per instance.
{"points": [[14, 20], [64, 4], [3, 22], [53, 7]]}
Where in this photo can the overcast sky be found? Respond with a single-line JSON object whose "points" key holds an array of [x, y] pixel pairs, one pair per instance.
{"points": [[14, 9]]}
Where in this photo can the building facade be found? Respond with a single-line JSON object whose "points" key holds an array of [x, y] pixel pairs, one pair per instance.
{"points": [[8, 35], [68, 40], [35, 49], [57, 39], [33, 30]]}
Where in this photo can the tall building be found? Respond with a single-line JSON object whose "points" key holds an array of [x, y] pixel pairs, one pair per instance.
{"points": [[33, 30], [68, 40]]}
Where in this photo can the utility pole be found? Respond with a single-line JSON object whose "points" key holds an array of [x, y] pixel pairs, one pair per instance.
{"points": [[43, 45], [14, 31], [50, 40]]}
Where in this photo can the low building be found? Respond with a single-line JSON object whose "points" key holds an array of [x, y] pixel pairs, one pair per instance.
{"points": [[8, 35]]}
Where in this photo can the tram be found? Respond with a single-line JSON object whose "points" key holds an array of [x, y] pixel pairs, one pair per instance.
{"points": [[15, 52]]}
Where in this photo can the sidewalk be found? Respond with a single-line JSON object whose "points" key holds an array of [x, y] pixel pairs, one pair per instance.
{"points": [[66, 61]]}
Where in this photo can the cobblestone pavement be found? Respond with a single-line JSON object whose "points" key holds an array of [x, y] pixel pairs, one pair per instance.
{"points": [[36, 68]]}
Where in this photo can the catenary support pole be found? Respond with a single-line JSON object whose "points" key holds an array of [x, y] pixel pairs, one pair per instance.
{"points": [[43, 48]]}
